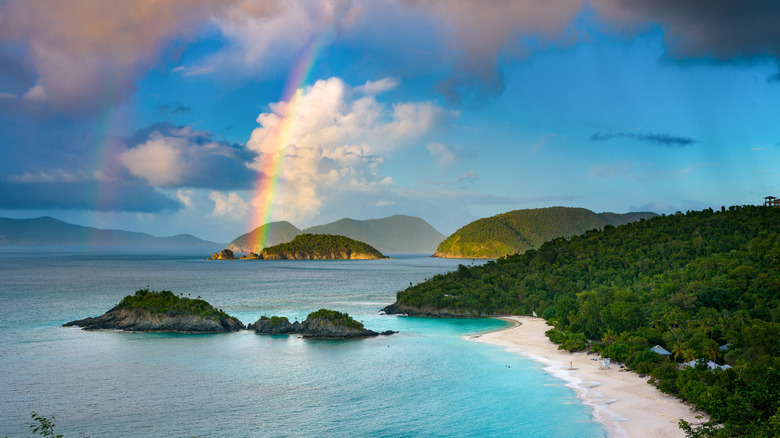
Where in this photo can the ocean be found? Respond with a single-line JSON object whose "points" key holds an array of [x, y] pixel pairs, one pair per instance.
{"points": [[425, 381]]}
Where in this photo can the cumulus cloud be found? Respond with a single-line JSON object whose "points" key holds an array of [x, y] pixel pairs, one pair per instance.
{"points": [[230, 204], [168, 156], [661, 139], [325, 137]]}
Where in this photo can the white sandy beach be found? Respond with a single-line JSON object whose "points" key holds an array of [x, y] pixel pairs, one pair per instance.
{"points": [[621, 400]]}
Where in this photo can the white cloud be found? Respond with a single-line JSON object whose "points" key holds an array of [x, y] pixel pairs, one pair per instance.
{"points": [[185, 70], [36, 93], [443, 153], [468, 178], [382, 203], [377, 87], [184, 157], [328, 138], [160, 160], [185, 197], [229, 205]]}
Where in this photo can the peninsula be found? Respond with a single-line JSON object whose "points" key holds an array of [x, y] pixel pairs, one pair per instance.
{"points": [[152, 311], [689, 300], [322, 324]]}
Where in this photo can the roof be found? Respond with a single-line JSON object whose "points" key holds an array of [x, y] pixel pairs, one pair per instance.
{"points": [[660, 350]]}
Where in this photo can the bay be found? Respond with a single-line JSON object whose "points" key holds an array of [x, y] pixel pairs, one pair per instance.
{"points": [[424, 381]]}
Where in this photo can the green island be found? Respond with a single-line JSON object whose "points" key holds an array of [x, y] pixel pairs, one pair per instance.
{"points": [[520, 230], [704, 286], [322, 324], [161, 311], [320, 247]]}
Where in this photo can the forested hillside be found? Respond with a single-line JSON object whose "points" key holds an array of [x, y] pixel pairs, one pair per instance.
{"points": [[520, 230], [704, 285], [319, 247]]}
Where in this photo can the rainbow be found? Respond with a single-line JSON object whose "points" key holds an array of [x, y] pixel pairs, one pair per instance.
{"points": [[272, 163]]}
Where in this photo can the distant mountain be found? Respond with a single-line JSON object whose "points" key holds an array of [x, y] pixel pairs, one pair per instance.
{"points": [[397, 233], [521, 230], [50, 231], [392, 234], [278, 232]]}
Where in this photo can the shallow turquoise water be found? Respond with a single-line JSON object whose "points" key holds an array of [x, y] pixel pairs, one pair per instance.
{"points": [[424, 381]]}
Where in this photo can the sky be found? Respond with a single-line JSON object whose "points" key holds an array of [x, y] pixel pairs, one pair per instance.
{"points": [[213, 117]]}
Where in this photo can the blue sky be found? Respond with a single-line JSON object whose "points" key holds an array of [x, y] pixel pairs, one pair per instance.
{"points": [[159, 117]]}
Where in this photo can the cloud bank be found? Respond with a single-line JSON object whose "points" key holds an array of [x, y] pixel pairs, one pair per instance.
{"points": [[338, 139]]}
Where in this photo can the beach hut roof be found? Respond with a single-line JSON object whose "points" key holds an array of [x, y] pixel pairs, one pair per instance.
{"points": [[660, 350]]}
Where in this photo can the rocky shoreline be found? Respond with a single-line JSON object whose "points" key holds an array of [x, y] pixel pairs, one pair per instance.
{"points": [[400, 309], [139, 320]]}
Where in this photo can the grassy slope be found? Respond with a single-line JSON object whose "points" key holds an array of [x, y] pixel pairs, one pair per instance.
{"points": [[521, 230]]}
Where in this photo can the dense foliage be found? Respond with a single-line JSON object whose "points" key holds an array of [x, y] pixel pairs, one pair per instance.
{"points": [[704, 285], [321, 246], [275, 321], [336, 317], [168, 303], [520, 230]]}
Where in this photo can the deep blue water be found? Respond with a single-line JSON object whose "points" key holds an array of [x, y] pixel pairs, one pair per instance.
{"points": [[424, 381]]}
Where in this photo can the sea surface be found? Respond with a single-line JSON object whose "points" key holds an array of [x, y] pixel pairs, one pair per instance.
{"points": [[422, 382]]}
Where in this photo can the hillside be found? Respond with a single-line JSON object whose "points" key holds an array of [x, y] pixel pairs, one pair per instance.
{"points": [[520, 230], [703, 285], [391, 234], [320, 247], [278, 232], [50, 231]]}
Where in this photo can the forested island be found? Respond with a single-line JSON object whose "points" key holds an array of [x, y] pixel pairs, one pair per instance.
{"points": [[322, 324], [520, 230], [153, 311], [703, 285], [320, 247]]}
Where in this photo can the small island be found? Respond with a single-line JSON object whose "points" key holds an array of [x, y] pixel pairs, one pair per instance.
{"points": [[322, 324], [311, 247], [152, 311]]}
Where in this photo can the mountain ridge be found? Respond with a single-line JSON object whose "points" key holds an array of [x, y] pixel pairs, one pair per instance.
{"points": [[47, 230], [520, 230]]}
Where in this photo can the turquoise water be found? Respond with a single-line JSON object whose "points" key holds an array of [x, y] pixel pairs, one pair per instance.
{"points": [[424, 381]]}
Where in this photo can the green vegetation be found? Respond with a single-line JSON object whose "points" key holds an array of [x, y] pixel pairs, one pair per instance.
{"points": [[166, 302], [275, 321], [704, 285], [277, 232], [336, 317], [43, 426], [520, 230], [321, 246], [393, 234]]}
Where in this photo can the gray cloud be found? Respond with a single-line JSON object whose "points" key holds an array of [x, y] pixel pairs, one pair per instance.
{"points": [[721, 30], [170, 156], [661, 139], [174, 109]]}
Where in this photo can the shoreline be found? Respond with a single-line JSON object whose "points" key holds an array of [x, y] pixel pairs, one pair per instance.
{"points": [[620, 400]]}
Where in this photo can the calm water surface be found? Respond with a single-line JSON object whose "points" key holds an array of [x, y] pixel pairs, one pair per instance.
{"points": [[424, 381]]}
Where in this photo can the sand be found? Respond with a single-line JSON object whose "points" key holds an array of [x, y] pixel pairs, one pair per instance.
{"points": [[621, 400]]}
